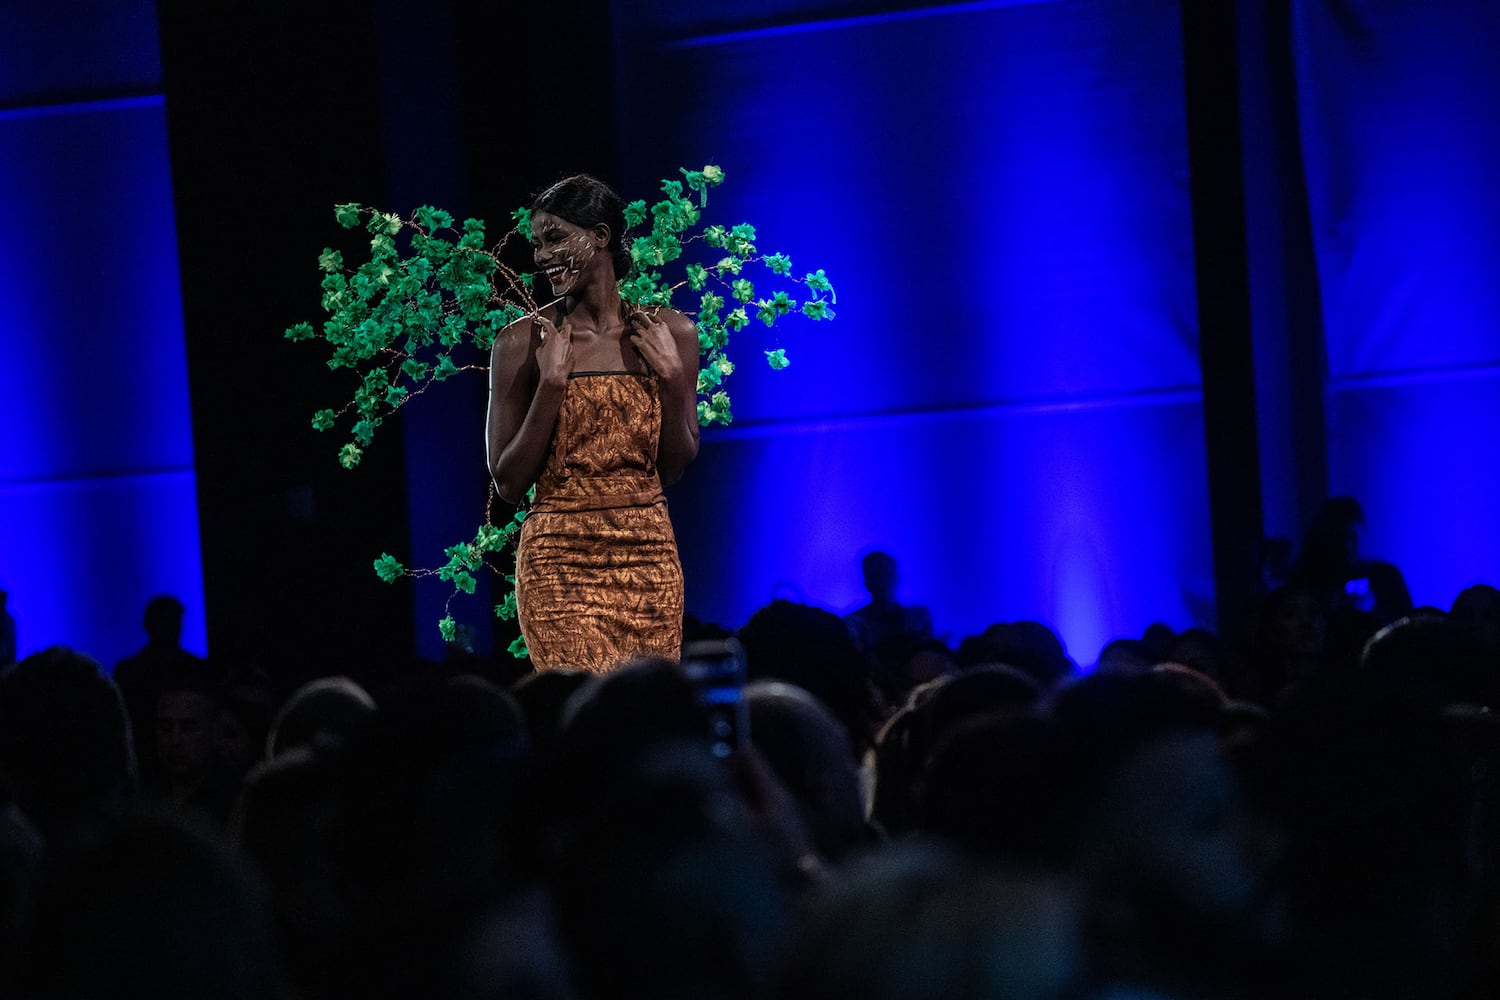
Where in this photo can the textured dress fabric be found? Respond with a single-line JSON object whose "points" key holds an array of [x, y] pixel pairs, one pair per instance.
{"points": [[598, 579]]}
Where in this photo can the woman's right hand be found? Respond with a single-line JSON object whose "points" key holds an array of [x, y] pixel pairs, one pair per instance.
{"points": [[554, 355]]}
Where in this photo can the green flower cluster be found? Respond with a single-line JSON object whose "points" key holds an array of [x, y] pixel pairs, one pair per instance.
{"points": [[431, 295]]}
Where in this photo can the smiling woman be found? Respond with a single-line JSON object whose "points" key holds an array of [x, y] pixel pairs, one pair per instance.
{"points": [[594, 395], [594, 401]]}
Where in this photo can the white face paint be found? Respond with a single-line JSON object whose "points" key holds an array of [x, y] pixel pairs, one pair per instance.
{"points": [[561, 250]]}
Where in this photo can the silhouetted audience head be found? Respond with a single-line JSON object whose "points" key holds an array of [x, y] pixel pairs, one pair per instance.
{"points": [[908, 738], [808, 750], [879, 571], [1430, 657], [163, 621], [1198, 649], [1477, 609], [1126, 657], [542, 696], [981, 691], [65, 747], [150, 909], [434, 827], [290, 825], [812, 648], [1378, 808], [1028, 646], [916, 920], [630, 710], [663, 891], [1184, 884], [1157, 640], [323, 714], [994, 784]]}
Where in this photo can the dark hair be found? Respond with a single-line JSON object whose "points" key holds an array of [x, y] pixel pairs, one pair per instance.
{"points": [[587, 201]]}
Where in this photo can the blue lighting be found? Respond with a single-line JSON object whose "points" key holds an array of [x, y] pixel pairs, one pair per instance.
{"points": [[98, 504], [1008, 399], [1402, 140]]}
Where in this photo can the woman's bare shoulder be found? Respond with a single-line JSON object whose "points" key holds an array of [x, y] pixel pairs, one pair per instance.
{"points": [[517, 341], [677, 321]]}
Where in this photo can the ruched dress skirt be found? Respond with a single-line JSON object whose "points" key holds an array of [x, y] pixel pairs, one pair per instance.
{"points": [[598, 578]]}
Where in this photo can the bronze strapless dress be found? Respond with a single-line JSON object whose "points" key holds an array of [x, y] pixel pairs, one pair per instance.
{"points": [[598, 579]]}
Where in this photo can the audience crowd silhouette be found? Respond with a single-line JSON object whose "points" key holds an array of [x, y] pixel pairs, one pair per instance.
{"points": [[1303, 805]]}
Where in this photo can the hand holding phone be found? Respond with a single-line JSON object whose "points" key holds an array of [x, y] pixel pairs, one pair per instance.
{"points": [[717, 669]]}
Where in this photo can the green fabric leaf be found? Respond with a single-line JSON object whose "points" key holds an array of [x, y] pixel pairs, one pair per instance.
{"points": [[715, 410], [709, 306], [323, 420], [741, 241], [389, 568], [777, 359], [383, 224], [522, 218], [347, 215], [818, 282], [473, 237], [490, 538], [447, 628], [451, 333], [816, 309], [364, 431], [300, 331], [434, 250], [432, 219], [349, 456]]}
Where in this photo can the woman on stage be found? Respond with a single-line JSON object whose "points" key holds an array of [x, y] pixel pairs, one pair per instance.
{"points": [[595, 402]]}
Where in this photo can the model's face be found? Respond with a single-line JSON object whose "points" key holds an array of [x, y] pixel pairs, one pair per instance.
{"points": [[562, 251]]}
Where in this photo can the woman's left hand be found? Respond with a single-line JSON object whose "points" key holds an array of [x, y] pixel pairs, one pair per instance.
{"points": [[653, 340]]}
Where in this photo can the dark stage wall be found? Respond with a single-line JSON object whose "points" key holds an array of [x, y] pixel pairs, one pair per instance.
{"points": [[1119, 292]]}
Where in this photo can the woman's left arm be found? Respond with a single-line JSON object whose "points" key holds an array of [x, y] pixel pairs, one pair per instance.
{"points": [[668, 341]]}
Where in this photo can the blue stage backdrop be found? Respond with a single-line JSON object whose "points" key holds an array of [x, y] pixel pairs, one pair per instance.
{"points": [[1401, 132], [1009, 400], [98, 505]]}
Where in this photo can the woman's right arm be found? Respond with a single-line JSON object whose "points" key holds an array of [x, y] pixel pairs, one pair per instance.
{"points": [[529, 366]]}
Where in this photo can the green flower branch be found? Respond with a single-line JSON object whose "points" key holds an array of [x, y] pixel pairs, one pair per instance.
{"points": [[433, 295]]}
